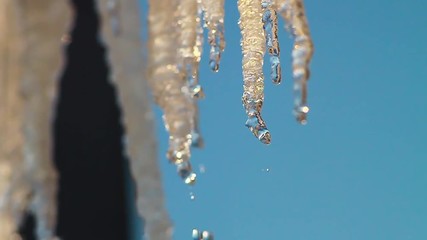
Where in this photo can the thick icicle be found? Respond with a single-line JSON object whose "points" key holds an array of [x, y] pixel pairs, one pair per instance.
{"points": [[293, 13], [14, 186], [269, 19], [253, 48], [127, 64], [28, 85], [214, 17], [170, 90]]}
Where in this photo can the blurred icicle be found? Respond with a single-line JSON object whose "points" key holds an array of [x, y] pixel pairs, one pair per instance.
{"points": [[127, 66], [14, 187], [293, 13], [214, 17], [253, 48], [29, 66], [169, 88]]}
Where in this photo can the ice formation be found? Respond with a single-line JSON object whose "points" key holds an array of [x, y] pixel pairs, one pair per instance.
{"points": [[174, 53], [127, 68], [27, 90], [293, 13]]}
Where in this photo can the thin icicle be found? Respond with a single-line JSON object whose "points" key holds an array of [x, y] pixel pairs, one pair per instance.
{"points": [[127, 64], [33, 46], [253, 48], [214, 18], [293, 13], [269, 19], [170, 90]]}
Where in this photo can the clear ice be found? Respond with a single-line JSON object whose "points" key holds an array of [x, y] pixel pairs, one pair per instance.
{"points": [[258, 25], [253, 48], [293, 13], [269, 18], [214, 18]]}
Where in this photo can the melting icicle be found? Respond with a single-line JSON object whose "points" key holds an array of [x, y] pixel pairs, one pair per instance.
{"points": [[293, 13], [127, 66], [201, 235], [253, 48], [190, 44], [214, 17], [169, 88], [269, 19]]}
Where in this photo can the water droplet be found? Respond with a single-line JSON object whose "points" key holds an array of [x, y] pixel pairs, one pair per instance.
{"points": [[186, 173], [192, 196], [195, 234], [202, 168], [214, 66], [204, 235], [191, 179], [207, 235]]}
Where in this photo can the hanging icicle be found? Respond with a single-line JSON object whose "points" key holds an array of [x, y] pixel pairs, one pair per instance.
{"points": [[126, 64], [253, 48], [214, 18], [293, 13], [251, 13], [170, 90], [269, 18], [28, 180]]}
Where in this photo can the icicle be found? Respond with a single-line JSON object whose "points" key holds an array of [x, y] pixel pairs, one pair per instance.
{"points": [[293, 13], [32, 41], [14, 187], [170, 90], [190, 31], [214, 17], [33, 49], [253, 47], [269, 19], [47, 21], [126, 62]]}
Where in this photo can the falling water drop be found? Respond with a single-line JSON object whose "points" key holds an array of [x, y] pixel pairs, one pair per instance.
{"points": [[195, 234], [202, 168], [204, 235], [192, 196]]}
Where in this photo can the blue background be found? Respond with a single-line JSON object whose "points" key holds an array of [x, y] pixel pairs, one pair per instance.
{"points": [[356, 171]]}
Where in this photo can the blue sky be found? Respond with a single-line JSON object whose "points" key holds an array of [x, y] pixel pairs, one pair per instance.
{"points": [[356, 171]]}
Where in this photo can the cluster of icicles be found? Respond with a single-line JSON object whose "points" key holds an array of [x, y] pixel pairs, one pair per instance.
{"points": [[27, 176], [174, 75]]}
